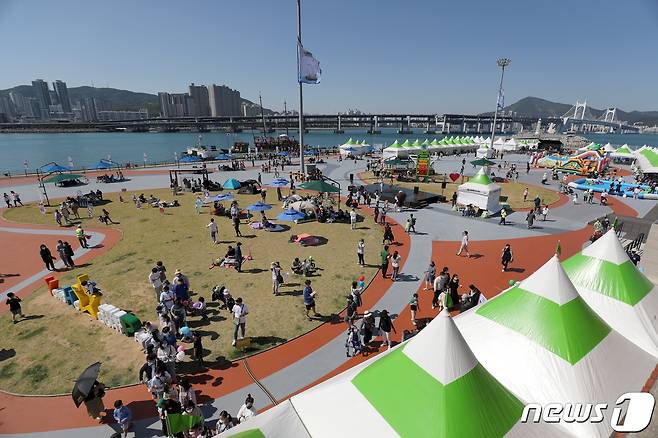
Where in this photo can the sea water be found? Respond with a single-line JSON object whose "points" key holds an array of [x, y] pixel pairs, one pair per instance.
{"points": [[86, 149]]}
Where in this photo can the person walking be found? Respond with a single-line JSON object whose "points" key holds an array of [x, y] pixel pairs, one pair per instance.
{"points": [[94, 401], [414, 307], [246, 411], [395, 264], [236, 226], [412, 223], [277, 278], [15, 308], [361, 251], [530, 218], [16, 199], [212, 227], [464, 245], [385, 326], [525, 194], [430, 275], [238, 257], [503, 217], [355, 292], [384, 256], [376, 214], [61, 250], [47, 257], [353, 217], [80, 234], [309, 299], [58, 217], [69, 255], [7, 200], [544, 212], [240, 312], [506, 257], [198, 348]]}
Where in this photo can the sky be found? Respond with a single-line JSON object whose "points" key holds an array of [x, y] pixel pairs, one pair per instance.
{"points": [[414, 56]]}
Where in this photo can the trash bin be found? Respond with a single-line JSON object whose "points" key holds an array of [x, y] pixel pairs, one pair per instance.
{"points": [[131, 324]]}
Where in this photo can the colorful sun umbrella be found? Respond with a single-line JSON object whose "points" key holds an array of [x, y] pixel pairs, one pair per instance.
{"points": [[280, 182], [221, 197], [190, 159]]}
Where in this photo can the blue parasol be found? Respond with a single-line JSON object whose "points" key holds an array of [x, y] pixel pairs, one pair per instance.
{"points": [[190, 159], [221, 197], [259, 206], [54, 168], [223, 157], [232, 184], [102, 165], [291, 215], [283, 154], [280, 182]]}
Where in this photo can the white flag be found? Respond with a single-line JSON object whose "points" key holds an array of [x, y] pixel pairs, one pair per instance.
{"points": [[308, 68], [501, 99]]}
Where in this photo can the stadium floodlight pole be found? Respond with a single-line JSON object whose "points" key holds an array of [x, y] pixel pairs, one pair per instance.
{"points": [[502, 63], [301, 99]]}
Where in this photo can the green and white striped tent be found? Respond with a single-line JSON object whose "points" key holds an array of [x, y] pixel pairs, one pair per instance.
{"points": [[429, 386], [623, 152], [543, 343], [616, 290], [280, 421]]}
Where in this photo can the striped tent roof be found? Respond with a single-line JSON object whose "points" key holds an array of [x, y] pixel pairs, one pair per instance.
{"points": [[429, 386], [281, 421], [543, 343], [617, 291]]}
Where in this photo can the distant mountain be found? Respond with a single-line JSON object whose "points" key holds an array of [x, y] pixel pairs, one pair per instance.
{"points": [[115, 99], [536, 107]]}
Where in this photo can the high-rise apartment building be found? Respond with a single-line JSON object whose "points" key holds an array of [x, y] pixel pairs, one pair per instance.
{"points": [[224, 101], [42, 95], [200, 103], [88, 109], [62, 93], [176, 104]]}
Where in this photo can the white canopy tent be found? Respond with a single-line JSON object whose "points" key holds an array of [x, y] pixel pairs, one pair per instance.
{"points": [[647, 160], [543, 343], [623, 152], [511, 145], [481, 192], [617, 291], [431, 385], [394, 150], [280, 421], [609, 148]]}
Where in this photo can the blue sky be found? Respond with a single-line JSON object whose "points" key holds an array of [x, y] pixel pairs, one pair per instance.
{"points": [[376, 55]]}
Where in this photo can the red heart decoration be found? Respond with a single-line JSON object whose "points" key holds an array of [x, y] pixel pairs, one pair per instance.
{"points": [[454, 176]]}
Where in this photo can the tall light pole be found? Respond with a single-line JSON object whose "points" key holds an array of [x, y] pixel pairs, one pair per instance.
{"points": [[301, 100], [502, 63]]}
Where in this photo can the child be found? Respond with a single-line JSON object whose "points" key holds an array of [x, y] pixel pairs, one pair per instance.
{"points": [[413, 306], [198, 348], [14, 304], [200, 308]]}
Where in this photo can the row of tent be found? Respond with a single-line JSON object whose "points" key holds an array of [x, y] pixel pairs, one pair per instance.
{"points": [[582, 331], [397, 149]]}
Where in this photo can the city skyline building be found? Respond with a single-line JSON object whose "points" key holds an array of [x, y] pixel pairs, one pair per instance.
{"points": [[200, 100], [61, 90], [224, 101], [42, 94]]}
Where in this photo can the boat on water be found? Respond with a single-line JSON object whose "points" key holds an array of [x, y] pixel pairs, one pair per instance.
{"points": [[282, 142], [205, 152]]}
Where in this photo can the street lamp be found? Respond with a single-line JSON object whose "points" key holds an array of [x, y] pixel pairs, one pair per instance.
{"points": [[502, 63], [176, 159]]}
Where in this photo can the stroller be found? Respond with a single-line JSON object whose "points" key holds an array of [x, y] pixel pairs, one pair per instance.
{"points": [[353, 341]]}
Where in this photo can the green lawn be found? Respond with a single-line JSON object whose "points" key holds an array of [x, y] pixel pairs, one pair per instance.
{"points": [[52, 351]]}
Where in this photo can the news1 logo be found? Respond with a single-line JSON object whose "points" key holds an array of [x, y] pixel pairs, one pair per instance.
{"points": [[637, 418]]}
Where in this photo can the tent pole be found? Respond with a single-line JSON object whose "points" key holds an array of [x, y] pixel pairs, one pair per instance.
{"points": [[301, 99]]}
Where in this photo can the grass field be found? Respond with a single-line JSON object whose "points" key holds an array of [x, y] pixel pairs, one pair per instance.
{"points": [[513, 190], [51, 351]]}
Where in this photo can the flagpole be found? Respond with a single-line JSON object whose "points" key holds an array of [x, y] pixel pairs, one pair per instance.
{"points": [[301, 99], [502, 63]]}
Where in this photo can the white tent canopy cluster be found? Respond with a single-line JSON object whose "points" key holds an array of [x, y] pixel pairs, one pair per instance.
{"points": [[646, 159], [447, 145], [480, 191], [581, 335], [355, 148]]}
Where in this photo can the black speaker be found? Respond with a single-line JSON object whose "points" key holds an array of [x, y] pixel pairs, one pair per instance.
{"points": [[415, 189]]}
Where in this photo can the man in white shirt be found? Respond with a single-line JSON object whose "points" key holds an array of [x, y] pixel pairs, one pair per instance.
{"points": [[353, 219], [213, 230], [156, 281], [167, 298], [240, 312]]}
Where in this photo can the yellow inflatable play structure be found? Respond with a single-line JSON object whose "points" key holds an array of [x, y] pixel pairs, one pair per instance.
{"points": [[88, 300]]}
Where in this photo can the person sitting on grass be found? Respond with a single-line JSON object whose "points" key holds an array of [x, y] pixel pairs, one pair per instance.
{"points": [[297, 267], [199, 308]]}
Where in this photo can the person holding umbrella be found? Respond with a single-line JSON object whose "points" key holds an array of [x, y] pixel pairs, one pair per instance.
{"points": [[94, 401], [88, 390]]}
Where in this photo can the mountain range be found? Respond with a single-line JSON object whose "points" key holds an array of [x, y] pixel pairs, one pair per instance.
{"points": [[536, 107], [114, 98]]}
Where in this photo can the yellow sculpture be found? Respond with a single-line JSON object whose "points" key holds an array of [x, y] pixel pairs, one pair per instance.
{"points": [[89, 297]]}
